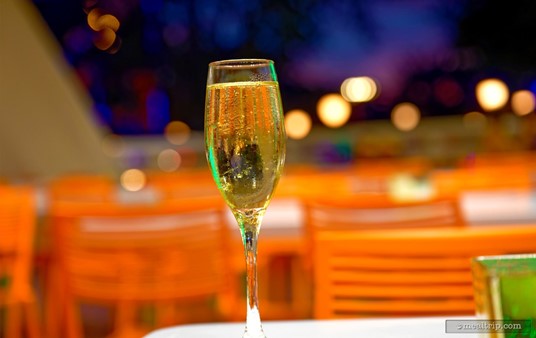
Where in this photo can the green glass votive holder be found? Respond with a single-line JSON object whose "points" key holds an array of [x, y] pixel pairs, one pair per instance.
{"points": [[505, 294]]}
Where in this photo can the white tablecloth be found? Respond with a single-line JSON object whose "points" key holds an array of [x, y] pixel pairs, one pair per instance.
{"points": [[426, 327], [478, 207], [499, 207]]}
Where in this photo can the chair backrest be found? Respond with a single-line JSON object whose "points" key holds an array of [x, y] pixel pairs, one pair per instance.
{"points": [[194, 183], [381, 212], [17, 228], [141, 252], [376, 211], [82, 187], [410, 272]]}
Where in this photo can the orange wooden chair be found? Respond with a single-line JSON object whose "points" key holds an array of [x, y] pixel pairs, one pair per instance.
{"points": [[409, 272], [82, 187], [364, 212], [374, 212], [17, 227], [357, 211], [130, 255], [189, 184]]}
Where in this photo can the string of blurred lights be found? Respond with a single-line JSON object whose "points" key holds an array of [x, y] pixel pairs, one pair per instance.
{"points": [[334, 110]]}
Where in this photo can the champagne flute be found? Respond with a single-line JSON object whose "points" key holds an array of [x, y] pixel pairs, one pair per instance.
{"points": [[245, 148]]}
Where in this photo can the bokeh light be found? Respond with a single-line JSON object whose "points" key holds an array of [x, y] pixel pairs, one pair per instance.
{"points": [[107, 21], [179, 36], [475, 121], [133, 179], [104, 39], [105, 27], [97, 21], [405, 116], [492, 94], [92, 18], [523, 102], [169, 160], [359, 89], [177, 132], [333, 110], [297, 124]]}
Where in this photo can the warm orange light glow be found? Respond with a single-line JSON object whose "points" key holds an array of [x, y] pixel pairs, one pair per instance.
{"points": [[359, 89], [523, 102], [475, 121], [169, 160], [92, 18], [177, 132], [97, 21], [492, 94], [333, 110], [405, 116], [104, 39], [108, 21], [133, 180], [297, 124]]}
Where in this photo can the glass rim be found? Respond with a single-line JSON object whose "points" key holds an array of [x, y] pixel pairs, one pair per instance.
{"points": [[512, 257], [499, 266], [241, 63]]}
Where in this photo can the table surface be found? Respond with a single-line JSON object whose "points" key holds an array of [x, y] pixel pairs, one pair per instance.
{"points": [[420, 327]]}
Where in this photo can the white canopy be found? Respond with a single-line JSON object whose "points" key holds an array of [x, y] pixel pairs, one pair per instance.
{"points": [[46, 122]]}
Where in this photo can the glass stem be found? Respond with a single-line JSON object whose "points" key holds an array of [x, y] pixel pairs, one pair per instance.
{"points": [[249, 225]]}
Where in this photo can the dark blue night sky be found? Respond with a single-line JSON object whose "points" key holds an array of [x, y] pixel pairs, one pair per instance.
{"points": [[155, 71]]}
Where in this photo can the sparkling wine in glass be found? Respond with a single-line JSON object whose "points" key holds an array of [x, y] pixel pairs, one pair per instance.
{"points": [[245, 147]]}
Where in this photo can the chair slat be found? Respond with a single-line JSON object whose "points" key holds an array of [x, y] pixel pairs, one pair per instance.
{"points": [[414, 277], [400, 263], [402, 291], [415, 307], [406, 272]]}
